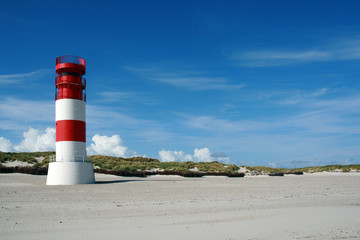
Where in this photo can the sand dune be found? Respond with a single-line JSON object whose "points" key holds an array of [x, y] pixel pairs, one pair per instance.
{"points": [[313, 206]]}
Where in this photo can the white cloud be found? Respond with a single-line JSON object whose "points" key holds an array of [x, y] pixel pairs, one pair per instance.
{"points": [[5, 145], [200, 155], [174, 156], [110, 146], [36, 140]]}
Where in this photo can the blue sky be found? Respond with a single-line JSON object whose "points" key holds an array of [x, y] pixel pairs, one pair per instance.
{"points": [[273, 83]]}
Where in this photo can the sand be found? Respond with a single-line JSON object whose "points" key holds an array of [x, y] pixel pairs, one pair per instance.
{"points": [[17, 164], [314, 206]]}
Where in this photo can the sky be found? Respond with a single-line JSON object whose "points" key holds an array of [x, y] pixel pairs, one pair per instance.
{"points": [[271, 83]]}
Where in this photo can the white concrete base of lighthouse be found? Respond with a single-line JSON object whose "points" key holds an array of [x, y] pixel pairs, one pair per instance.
{"points": [[70, 173]]}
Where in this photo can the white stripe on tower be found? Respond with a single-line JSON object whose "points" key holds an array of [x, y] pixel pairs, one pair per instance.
{"points": [[70, 109]]}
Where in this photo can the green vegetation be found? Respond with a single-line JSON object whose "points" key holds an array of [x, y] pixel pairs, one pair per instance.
{"points": [[26, 157], [262, 170], [149, 164], [328, 168], [135, 166], [124, 164], [140, 166]]}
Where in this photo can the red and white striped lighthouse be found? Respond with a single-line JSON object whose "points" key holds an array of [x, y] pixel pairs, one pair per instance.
{"points": [[71, 166]]}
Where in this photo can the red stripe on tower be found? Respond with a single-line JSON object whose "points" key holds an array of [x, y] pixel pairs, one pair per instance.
{"points": [[70, 130]]}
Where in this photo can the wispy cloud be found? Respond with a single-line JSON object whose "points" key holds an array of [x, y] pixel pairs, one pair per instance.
{"points": [[109, 121], [321, 127], [314, 114], [348, 49], [115, 96], [200, 83], [19, 114], [20, 21], [126, 97], [192, 80], [211, 123], [279, 58], [22, 77], [296, 97]]}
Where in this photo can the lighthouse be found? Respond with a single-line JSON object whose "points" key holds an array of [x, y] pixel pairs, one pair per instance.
{"points": [[71, 166]]}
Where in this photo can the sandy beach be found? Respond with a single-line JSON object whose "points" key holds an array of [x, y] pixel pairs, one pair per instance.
{"points": [[312, 206]]}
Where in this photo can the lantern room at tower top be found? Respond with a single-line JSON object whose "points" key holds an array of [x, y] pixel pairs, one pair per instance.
{"points": [[69, 81]]}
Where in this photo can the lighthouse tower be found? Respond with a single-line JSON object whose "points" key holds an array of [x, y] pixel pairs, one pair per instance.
{"points": [[71, 166]]}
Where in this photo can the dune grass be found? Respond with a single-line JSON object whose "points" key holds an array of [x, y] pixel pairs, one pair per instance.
{"points": [[135, 166], [28, 157], [327, 168], [150, 164], [142, 166]]}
